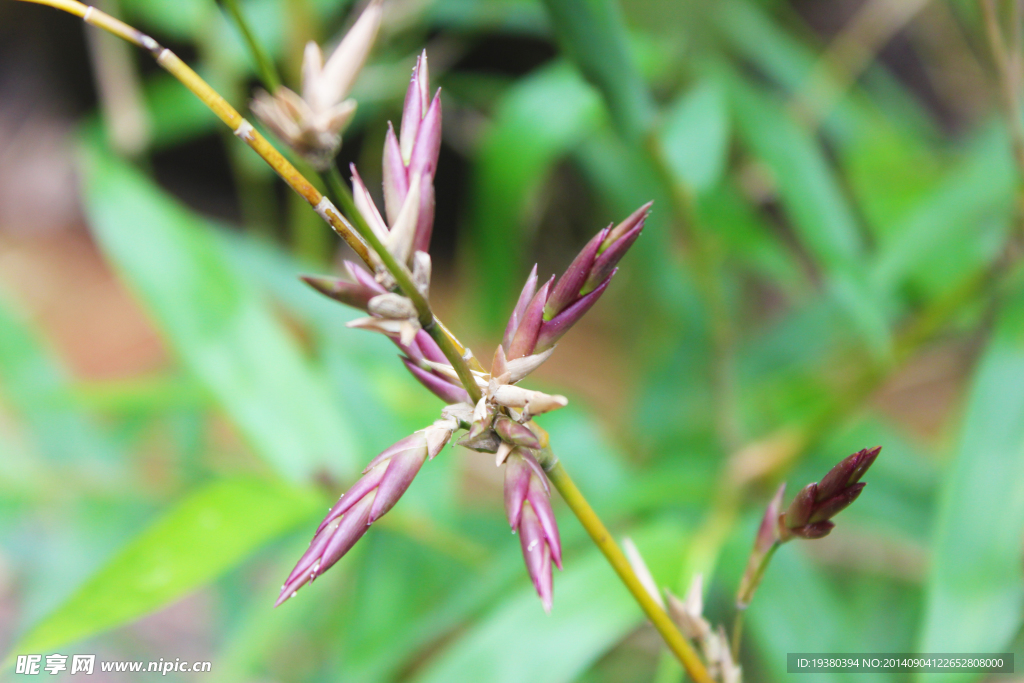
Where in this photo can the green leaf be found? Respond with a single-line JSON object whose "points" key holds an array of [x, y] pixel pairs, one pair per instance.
{"points": [[592, 612], [206, 534], [36, 386], [807, 186], [695, 135], [537, 121], [975, 598], [218, 325], [593, 34]]}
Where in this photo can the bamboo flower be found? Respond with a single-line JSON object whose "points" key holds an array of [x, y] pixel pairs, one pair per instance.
{"points": [[543, 315], [809, 515], [313, 123], [384, 480], [528, 505]]}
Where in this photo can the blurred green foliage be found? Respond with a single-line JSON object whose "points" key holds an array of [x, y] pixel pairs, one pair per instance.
{"points": [[800, 257]]}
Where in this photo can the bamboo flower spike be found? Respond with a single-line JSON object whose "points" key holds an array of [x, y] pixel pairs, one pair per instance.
{"points": [[312, 124], [808, 516], [384, 480]]}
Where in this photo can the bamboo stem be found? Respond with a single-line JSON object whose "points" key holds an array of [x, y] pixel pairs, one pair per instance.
{"points": [[602, 538]]}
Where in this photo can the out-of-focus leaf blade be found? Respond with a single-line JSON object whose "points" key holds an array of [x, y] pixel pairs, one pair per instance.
{"points": [[206, 534], [695, 135], [807, 186], [593, 611], [975, 595], [593, 34], [216, 322]]}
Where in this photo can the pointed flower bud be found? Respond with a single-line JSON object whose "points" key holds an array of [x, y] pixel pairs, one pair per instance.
{"points": [[528, 505], [542, 316], [410, 158], [356, 293], [384, 480], [809, 515], [312, 124]]}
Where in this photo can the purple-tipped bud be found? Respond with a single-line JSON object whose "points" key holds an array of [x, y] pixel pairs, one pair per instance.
{"points": [[514, 433], [437, 385], [384, 480], [552, 330], [529, 289], [349, 293], [614, 247], [413, 153], [569, 285], [800, 510], [828, 508], [528, 505], [327, 547], [401, 470], [525, 339], [810, 512]]}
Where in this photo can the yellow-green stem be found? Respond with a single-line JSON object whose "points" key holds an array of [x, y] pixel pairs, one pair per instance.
{"points": [[617, 559], [339, 190]]}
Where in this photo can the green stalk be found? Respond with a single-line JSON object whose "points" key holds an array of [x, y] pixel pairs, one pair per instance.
{"points": [[264, 65], [339, 192]]}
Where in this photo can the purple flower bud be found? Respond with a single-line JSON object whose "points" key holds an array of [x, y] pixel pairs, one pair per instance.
{"points": [[552, 330], [525, 340], [514, 433], [828, 508], [402, 469], [569, 285], [396, 179], [349, 293], [810, 512], [439, 386], [537, 554], [415, 106], [384, 480], [328, 546], [529, 289], [615, 246], [528, 506], [799, 512]]}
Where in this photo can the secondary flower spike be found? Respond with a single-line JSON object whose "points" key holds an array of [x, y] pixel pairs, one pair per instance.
{"points": [[384, 481], [809, 515], [413, 154], [543, 315], [312, 124], [528, 505]]}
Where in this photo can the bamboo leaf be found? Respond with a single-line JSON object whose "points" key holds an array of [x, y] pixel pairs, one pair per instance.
{"points": [[203, 536], [593, 34], [220, 328], [975, 596]]}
